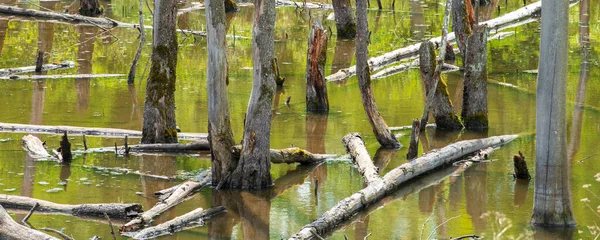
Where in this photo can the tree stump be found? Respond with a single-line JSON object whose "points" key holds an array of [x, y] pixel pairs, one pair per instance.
{"points": [[413, 148], [39, 62], [463, 19], [316, 88], [475, 111], [65, 149], [521, 171]]}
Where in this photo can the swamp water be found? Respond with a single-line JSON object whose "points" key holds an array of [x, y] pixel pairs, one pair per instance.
{"points": [[485, 200]]}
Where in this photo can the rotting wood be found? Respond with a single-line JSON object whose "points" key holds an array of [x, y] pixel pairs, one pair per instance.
{"points": [[35, 148], [317, 100], [293, 155], [507, 20], [114, 210], [475, 110], [90, 131], [179, 195], [436, 78], [404, 128], [413, 147], [352, 205], [192, 219], [463, 20], [45, 77], [45, 67], [355, 146], [39, 62], [65, 149], [9, 229], [201, 145], [389, 71], [520, 166]]}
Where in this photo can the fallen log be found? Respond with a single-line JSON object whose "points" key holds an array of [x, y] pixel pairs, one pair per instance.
{"points": [[9, 229], [352, 205], [287, 3], [195, 218], [179, 195], [77, 76], [45, 67], [35, 148], [404, 128], [90, 131], [292, 155], [119, 170], [497, 24], [114, 210], [355, 146], [201, 145]]}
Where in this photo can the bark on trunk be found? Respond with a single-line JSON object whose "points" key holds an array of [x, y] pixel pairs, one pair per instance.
{"points": [[441, 106], [463, 19], [355, 146], [159, 108], [114, 210], [317, 100], [177, 196], [90, 8], [344, 19], [380, 128], [413, 148], [474, 111], [253, 168], [552, 192], [520, 166], [9, 229], [192, 219], [89, 131], [138, 53], [45, 67], [219, 125], [352, 205]]}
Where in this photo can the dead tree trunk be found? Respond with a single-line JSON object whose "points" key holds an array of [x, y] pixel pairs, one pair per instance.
{"points": [[159, 108], [189, 220], [463, 19], [413, 148], [9, 229], [355, 146], [316, 88], [552, 191], [380, 128], [344, 19], [253, 168], [474, 112], [219, 126], [520, 166], [65, 149], [138, 53], [441, 106], [90, 8]]}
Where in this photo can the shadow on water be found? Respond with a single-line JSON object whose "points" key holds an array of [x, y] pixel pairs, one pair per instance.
{"points": [[85, 53]]}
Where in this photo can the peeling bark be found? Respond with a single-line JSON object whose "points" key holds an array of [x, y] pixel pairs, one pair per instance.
{"points": [[462, 22], [355, 146], [316, 89]]}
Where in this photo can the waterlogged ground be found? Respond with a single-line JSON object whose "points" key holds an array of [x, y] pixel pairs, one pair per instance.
{"points": [[485, 200]]}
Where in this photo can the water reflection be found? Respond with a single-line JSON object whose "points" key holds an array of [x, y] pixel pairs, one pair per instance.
{"points": [[553, 233], [476, 194], [418, 28], [316, 127], [4, 23], [65, 173], [383, 157], [342, 55], [85, 53], [521, 189]]}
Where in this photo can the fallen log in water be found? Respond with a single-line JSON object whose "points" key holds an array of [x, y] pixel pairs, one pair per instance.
{"points": [[352, 205], [90, 131], [355, 146], [195, 218], [508, 20], [114, 210], [9, 229], [35, 148], [45, 67], [201, 145], [175, 197], [78, 76]]}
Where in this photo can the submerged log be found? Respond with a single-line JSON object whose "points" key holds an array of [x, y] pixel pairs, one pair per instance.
{"points": [[292, 155], [413, 148], [316, 90], [521, 171], [45, 67], [35, 148], [114, 210], [195, 218], [90, 131], [9, 229], [441, 106], [507, 20], [355, 146], [44, 77], [474, 111], [179, 195], [352, 205]]}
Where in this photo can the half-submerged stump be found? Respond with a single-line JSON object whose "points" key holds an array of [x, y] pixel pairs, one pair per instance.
{"points": [[90, 8], [316, 88], [413, 147], [475, 111], [65, 149], [344, 20], [521, 171], [441, 106]]}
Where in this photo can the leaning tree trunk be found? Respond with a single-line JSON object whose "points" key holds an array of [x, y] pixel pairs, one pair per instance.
{"points": [[474, 112], [344, 20], [316, 88], [462, 21], [552, 192], [380, 128], [253, 168], [441, 106], [219, 126], [159, 109], [90, 8]]}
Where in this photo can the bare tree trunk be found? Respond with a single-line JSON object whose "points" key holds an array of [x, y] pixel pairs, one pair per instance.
{"points": [[90, 8], [219, 126], [380, 128], [462, 22], [344, 19], [316, 88], [474, 111], [253, 168], [159, 108], [413, 147], [552, 192], [441, 106]]}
